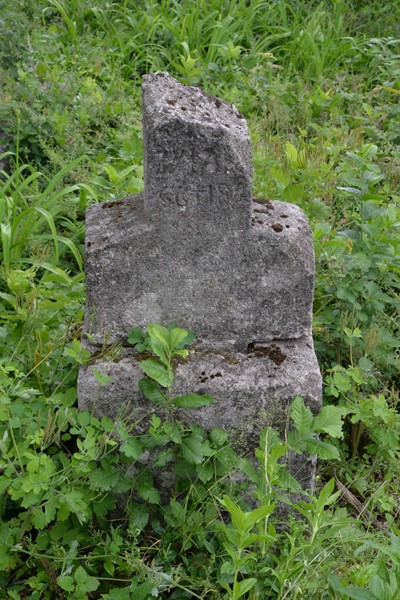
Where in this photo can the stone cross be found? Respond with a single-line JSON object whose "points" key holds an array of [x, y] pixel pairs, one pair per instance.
{"points": [[196, 249]]}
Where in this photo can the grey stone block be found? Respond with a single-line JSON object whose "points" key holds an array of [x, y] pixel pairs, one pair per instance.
{"points": [[232, 290]]}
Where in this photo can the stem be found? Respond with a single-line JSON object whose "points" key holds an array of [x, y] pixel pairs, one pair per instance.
{"points": [[17, 173], [235, 582], [267, 491], [170, 406], [13, 439], [356, 434], [234, 588], [351, 351], [112, 578]]}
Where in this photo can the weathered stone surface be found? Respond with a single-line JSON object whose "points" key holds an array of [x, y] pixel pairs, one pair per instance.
{"points": [[232, 290], [197, 160], [251, 391], [197, 250]]}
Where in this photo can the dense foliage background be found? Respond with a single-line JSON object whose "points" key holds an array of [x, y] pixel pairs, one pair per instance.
{"points": [[319, 84]]}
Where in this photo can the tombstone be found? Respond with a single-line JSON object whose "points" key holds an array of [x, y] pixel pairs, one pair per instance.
{"points": [[196, 249]]}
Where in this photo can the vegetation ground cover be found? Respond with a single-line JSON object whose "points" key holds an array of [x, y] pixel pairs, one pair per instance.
{"points": [[319, 83]]}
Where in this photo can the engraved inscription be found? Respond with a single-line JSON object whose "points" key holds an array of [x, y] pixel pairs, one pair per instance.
{"points": [[189, 199]]}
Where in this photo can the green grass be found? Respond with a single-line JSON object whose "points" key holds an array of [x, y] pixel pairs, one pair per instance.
{"points": [[319, 84]]}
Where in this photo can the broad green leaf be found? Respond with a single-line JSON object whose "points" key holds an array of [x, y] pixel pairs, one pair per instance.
{"points": [[160, 350], [135, 336], [291, 152], [350, 190], [158, 372], [280, 175], [381, 589], [39, 518], [258, 514], [66, 582], [205, 471], [330, 421], [66, 398], [132, 448], [189, 339], [241, 588], [77, 352], [192, 401], [138, 516], [342, 381], [99, 479], [293, 193], [296, 442], [370, 210], [276, 453], [86, 582], [218, 436], [146, 488], [251, 539], [237, 514], [326, 497], [227, 568], [178, 511], [51, 508], [84, 418], [227, 457], [183, 353], [323, 450], [269, 438], [348, 592], [301, 416], [192, 450], [141, 591], [164, 457], [160, 333], [151, 390], [356, 593], [177, 336], [10, 299], [4, 483], [150, 494], [76, 504]]}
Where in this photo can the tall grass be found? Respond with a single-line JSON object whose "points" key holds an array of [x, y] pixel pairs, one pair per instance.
{"points": [[26, 211]]}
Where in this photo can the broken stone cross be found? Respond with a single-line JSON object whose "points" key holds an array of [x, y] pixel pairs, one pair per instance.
{"points": [[195, 249]]}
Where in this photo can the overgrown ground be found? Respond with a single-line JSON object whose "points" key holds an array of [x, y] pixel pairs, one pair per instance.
{"points": [[319, 84]]}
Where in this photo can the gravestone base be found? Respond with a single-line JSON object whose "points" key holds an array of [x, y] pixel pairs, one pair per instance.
{"points": [[251, 391]]}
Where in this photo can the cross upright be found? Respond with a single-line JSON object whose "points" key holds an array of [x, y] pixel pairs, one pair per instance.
{"points": [[196, 249]]}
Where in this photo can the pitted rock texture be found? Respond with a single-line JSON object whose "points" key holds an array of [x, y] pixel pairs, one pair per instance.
{"points": [[251, 391]]}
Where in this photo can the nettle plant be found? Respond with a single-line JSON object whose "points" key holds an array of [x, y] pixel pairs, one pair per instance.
{"points": [[166, 344]]}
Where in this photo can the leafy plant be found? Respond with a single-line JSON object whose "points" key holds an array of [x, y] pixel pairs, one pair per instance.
{"points": [[238, 539], [166, 344]]}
